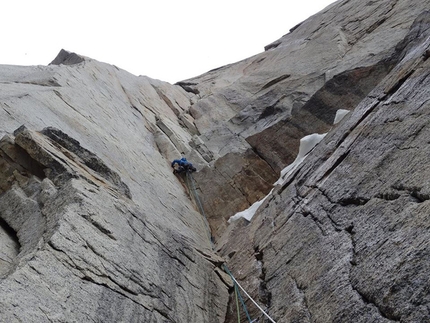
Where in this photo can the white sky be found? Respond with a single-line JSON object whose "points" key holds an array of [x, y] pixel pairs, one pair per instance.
{"points": [[170, 40]]}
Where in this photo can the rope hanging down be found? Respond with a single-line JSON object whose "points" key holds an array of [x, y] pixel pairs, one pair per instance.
{"points": [[202, 211], [250, 298], [236, 284], [236, 289], [237, 304], [199, 203]]}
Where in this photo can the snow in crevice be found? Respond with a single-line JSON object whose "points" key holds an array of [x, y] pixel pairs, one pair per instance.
{"points": [[249, 212], [307, 143], [340, 114]]}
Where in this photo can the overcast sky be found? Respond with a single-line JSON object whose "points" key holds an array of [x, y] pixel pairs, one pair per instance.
{"points": [[170, 40]]}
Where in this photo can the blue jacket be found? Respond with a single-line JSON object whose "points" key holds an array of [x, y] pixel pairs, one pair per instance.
{"points": [[182, 162]]}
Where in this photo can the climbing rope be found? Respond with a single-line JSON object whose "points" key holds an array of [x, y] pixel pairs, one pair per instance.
{"points": [[237, 304], [250, 298], [236, 284], [238, 292], [202, 211], [199, 203]]}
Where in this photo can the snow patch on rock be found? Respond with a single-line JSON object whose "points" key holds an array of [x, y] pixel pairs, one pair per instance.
{"points": [[340, 114], [307, 143]]}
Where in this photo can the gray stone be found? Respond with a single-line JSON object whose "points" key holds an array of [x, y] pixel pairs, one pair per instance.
{"points": [[331, 61], [67, 58], [86, 237], [95, 227], [345, 238], [52, 211], [10, 247]]}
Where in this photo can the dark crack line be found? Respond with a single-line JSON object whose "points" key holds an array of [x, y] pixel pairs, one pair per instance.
{"points": [[305, 212], [137, 232], [348, 132], [163, 247], [336, 163], [208, 258], [191, 284], [291, 177], [128, 99], [70, 261], [414, 192], [317, 222], [149, 230], [257, 152], [98, 226], [85, 277], [368, 301], [68, 104], [163, 314], [46, 314], [304, 301], [350, 233], [120, 269], [89, 279], [123, 271], [10, 114], [283, 265], [265, 296], [148, 291], [183, 252]]}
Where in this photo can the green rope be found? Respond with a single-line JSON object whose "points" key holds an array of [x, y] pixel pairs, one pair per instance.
{"points": [[199, 203], [240, 296], [236, 291], [250, 298], [202, 211]]}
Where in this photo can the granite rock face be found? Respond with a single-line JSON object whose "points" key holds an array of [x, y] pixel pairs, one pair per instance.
{"points": [[345, 238], [268, 102], [94, 226], [86, 250]]}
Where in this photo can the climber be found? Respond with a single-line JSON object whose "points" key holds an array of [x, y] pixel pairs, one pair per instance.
{"points": [[183, 166]]}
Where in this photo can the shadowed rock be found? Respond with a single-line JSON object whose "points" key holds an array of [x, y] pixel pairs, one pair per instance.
{"points": [[95, 226], [67, 58]]}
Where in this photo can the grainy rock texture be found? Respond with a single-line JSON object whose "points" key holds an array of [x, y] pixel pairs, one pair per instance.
{"points": [[345, 238], [269, 101], [95, 227]]}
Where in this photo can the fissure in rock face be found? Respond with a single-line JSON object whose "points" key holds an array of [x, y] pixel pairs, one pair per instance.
{"points": [[10, 247], [94, 226]]}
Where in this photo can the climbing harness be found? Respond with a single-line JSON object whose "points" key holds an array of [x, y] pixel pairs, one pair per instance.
{"points": [[190, 179]]}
